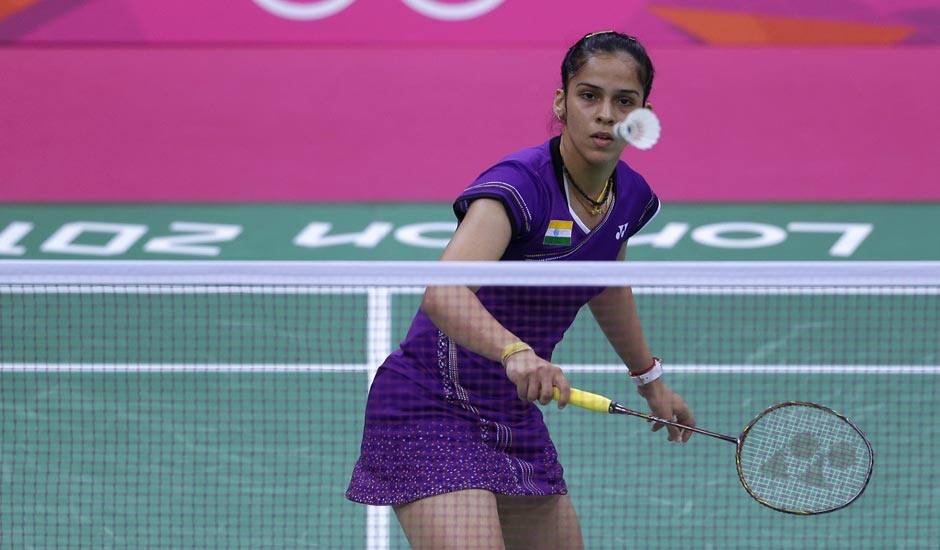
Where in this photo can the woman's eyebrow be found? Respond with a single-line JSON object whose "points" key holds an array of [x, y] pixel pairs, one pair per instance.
{"points": [[596, 87]]}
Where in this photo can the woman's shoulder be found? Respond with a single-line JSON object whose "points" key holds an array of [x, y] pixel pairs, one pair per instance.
{"points": [[533, 158], [521, 182], [636, 199], [529, 166], [630, 178], [631, 186]]}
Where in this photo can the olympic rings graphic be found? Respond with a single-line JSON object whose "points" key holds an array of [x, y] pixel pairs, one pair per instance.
{"points": [[321, 9], [306, 11], [453, 12]]}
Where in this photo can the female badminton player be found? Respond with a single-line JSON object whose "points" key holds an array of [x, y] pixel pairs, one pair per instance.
{"points": [[453, 439]]}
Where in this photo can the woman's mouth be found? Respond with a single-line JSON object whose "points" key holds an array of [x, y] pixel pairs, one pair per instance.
{"points": [[602, 139]]}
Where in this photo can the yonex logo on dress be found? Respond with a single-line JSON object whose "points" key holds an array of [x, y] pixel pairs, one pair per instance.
{"points": [[621, 230], [435, 9]]}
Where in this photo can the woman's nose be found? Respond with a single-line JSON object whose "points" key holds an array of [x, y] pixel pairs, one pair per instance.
{"points": [[605, 113]]}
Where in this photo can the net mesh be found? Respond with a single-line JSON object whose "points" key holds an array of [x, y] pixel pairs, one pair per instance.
{"points": [[219, 406]]}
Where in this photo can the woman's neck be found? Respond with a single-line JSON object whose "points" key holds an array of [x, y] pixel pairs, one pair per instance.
{"points": [[591, 178]]}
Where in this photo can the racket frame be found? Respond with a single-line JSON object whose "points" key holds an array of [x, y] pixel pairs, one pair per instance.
{"points": [[743, 437], [601, 404]]}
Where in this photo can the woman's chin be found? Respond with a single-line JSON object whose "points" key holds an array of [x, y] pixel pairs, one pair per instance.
{"points": [[599, 152], [604, 155]]}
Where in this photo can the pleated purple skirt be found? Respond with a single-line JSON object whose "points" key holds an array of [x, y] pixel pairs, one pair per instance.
{"points": [[434, 427]]}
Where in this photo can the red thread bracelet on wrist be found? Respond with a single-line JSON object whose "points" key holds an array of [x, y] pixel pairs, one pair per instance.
{"points": [[646, 370]]}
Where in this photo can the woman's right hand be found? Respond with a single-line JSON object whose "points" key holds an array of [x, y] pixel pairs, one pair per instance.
{"points": [[536, 378]]}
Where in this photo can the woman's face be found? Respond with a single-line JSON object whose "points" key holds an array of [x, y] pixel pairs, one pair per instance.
{"points": [[599, 95]]}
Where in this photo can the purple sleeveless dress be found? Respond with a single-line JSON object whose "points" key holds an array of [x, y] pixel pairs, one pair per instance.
{"points": [[440, 418]]}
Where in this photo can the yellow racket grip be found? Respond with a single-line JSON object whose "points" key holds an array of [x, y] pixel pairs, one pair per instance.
{"points": [[586, 400]]}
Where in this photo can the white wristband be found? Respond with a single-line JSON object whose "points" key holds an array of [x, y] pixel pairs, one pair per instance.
{"points": [[650, 374]]}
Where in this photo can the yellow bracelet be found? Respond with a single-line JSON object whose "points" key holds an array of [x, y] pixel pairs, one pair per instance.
{"points": [[513, 349]]}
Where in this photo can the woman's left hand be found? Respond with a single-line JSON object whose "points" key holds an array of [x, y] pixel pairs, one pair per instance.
{"points": [[668, 405]]}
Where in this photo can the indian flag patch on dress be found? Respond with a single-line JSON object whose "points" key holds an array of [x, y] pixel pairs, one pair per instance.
{"points": [[559, 232]]}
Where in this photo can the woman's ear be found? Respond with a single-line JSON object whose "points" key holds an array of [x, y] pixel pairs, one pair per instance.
{"points": [[558, 105], [649, 105]]}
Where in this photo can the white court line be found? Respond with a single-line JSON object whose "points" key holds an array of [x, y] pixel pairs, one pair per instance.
{"points": [[180, 367], [378, 347], [770, 369], [370, 369], [731, 290], [713, 290], [183, 289]]}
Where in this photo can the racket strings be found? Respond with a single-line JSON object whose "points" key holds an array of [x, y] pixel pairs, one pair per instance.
{"points": [[804, 459]]}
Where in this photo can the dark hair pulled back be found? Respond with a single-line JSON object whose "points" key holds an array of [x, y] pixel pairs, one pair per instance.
{"points": [[609, 42]]}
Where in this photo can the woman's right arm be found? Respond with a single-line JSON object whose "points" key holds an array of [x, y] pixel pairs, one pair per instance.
{"points": [[482, 235]]}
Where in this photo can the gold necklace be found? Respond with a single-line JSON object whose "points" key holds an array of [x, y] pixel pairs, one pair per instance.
{"points": [[592, 210], [595, 205]]}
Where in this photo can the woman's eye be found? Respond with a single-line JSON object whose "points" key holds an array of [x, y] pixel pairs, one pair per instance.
{"points": [[587, 95], [626, 101]]}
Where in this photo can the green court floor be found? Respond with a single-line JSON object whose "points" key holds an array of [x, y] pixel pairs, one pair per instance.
{"points": [[234, 420], [138, 419], [252, 460]]}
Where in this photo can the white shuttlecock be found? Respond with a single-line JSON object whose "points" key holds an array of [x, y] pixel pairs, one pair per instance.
{"points": [[640, 129]]}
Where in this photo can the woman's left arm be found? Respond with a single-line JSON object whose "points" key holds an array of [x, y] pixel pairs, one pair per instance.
{"points": [[616, 314]]}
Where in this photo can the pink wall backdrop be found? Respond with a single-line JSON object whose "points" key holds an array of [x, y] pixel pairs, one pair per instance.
{"points": [[286, 124], [361, 22], [283, 100], [461, 22]]}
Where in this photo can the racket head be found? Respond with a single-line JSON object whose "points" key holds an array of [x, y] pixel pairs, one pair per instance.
{"points": [[803, 458]]}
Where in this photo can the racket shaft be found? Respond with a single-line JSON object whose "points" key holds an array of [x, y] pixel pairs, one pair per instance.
{"points": [[599, 403], [620, 409]]}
